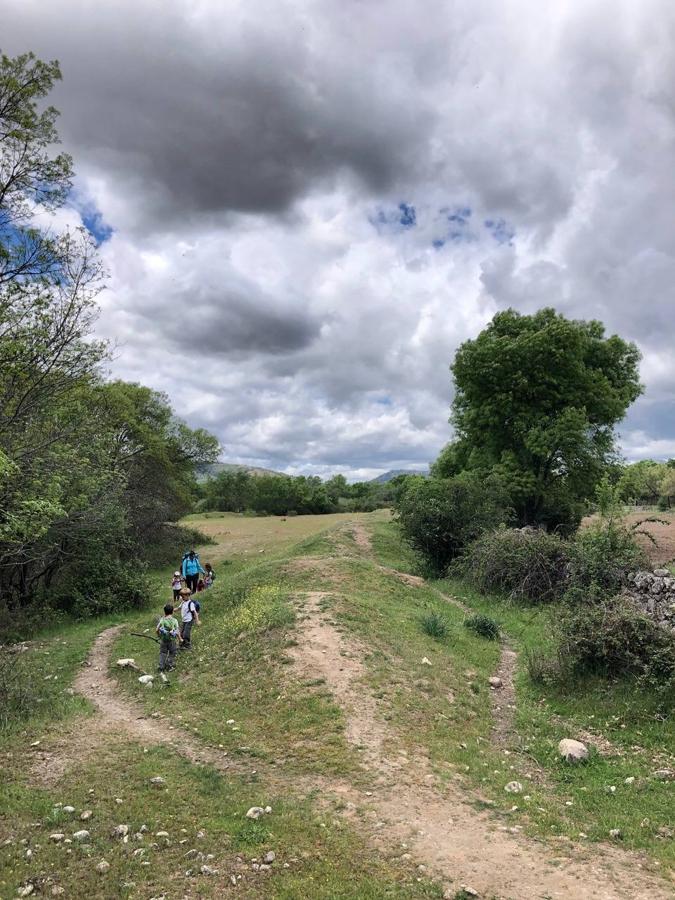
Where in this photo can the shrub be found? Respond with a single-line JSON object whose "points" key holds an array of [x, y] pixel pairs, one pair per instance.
{"points": [[483, 626], [527, 565], [440, 516], [613, 638], [601, 557], [542, 668], [435, 625], [18, 694]]}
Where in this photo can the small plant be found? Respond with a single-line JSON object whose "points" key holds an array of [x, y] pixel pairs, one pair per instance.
{"points": [[542, 668], [434, 625], [483, 626]]}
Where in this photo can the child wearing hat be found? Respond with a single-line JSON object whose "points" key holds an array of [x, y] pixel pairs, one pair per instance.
{"points": [[176, 585], [189, 614]]}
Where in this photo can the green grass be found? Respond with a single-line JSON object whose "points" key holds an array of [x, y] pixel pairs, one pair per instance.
{"points": [[201, 810]]}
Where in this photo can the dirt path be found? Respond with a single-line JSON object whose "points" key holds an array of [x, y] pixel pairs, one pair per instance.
{"points": [[116, 717], [456, 843]]}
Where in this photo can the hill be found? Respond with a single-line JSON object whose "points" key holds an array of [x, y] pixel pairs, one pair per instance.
{"points": [[280, 690], [393, 473], [211, 470]]}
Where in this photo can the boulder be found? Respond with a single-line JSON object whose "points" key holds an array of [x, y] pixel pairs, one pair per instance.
{"points": [[81, 836], [572, 751], [255, 812], [146, 680]]}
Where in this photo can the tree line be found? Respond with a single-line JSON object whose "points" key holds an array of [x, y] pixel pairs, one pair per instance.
{"points": [[282, 495], [90, 470]]}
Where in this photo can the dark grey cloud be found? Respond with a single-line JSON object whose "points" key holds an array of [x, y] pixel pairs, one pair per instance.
{"points": [[242, 152]]}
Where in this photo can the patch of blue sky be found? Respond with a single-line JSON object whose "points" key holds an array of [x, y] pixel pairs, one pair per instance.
{"points": [[454, 227], [500, 230], [93, 221], [395, 219]]}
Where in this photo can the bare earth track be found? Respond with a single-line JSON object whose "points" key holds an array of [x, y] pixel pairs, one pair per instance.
{"points": [[406, 806]]}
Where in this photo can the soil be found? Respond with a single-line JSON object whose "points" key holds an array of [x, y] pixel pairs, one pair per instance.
{"points": [[409, 807], [662, 549]]}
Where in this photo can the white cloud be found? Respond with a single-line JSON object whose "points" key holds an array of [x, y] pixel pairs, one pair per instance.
{"points": [[242, 153]]}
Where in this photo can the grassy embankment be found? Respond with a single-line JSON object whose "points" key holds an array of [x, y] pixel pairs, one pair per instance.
{"points": [[234, 693]]}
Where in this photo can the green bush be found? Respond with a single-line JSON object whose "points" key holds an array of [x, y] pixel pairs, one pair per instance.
{"points": [[612, 638], [483, 626], [18, 693], [435, 625], [663, 505], [601, 557], [525, 565], [440, 516]]}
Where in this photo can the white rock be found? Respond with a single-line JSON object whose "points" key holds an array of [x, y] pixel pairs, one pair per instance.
{"points": [[146, 680], [425, 661], [86, 814], [120, 831], [81, 836], [629, 780], [127, 663], [495, 682], [57, 890], [269, 857], [68, 809], [268, 809], [103, 867], [513, 787], [572, 751], [255, 812], [157, 780], [57, 837], [26, 890], [207, 870], [664, 774], [615, 833], [162, 834]]}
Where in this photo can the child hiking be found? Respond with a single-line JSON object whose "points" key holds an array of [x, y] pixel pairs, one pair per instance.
{"points": [[189, 617], [191, 569], [209, 575], [176, 585], [168, 633]]}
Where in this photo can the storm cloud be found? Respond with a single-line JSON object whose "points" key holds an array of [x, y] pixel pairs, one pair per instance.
{"points": [[305, 207]]}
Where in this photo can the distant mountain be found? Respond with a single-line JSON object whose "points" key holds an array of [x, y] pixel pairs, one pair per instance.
{"points": [[211, 470], [392, 473]]}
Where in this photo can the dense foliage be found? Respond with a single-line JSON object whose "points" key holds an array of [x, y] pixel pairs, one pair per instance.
{"points": [[89, 471], [524, 565], [440, 516], [240, 491], [537, 397]]}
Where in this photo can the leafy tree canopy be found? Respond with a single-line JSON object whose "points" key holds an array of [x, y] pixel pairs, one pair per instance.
{"points": [[537, 397]]}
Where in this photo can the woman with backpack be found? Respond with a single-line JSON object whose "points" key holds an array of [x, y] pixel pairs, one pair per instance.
{"points": [[191, 569]]}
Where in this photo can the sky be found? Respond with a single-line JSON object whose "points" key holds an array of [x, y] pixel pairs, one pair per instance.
{"points": [[305, 206]]}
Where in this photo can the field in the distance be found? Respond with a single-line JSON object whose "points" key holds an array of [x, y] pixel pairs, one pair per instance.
{"points": [[661, 550], [239, 536]]}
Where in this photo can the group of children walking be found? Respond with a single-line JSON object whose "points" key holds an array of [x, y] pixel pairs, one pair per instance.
{"points": [[185, 583]]}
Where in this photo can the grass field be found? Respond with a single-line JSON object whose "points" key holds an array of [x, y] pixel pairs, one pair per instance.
{"points": [[286, 736]]}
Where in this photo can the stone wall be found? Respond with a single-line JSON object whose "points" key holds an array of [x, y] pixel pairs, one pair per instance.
{"points": [[654, 593]]}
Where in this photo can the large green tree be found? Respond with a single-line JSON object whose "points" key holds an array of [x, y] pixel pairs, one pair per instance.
{"points": [[537, 398]]}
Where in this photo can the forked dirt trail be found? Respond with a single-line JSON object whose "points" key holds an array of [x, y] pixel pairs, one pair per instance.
{"points": [[116, 717], [442, 830]]}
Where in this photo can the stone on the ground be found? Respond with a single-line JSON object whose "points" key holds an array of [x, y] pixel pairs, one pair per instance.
{"points": [[81, 836], [86, 814], [68, 809], [662, 573], [664, 774], [26, 890], [146, 680], [103, 867], [615, 833], [269, 857], [57, 890], [255, 812], [127, 663], [57, 837], [157, 780], [425, 661], [513, 787], [572, 751], [120, 831], [629, 780], [495, 682], [268, 809], [207, 870], [162, 834]]}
